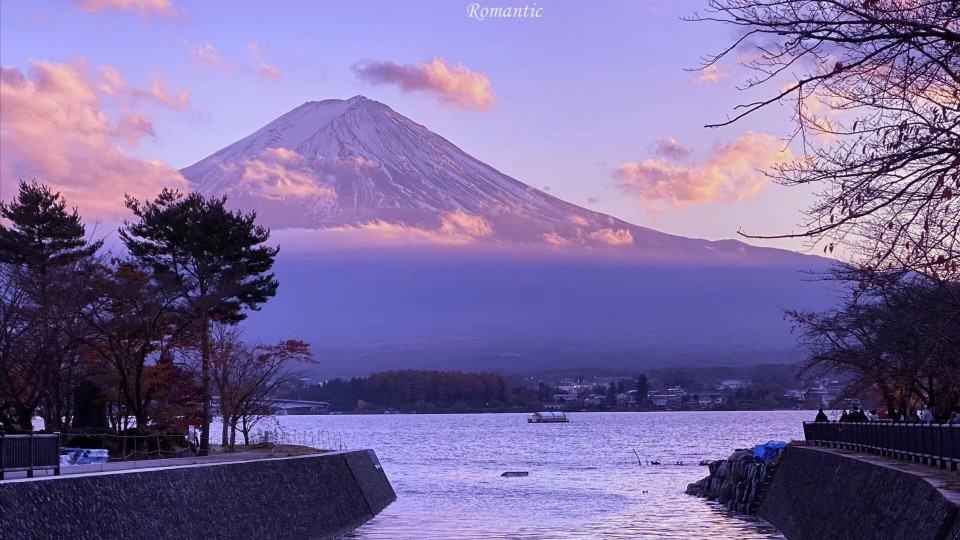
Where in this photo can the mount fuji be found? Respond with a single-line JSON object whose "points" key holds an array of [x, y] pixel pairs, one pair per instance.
{"points": [[356, 164], [544, 283]]}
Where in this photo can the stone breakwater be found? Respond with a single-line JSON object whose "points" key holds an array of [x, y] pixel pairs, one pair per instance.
{"points": [[737, 482], [308, 497]]}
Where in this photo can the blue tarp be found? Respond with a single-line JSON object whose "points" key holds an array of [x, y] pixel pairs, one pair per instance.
{"points": [[768, 450]]}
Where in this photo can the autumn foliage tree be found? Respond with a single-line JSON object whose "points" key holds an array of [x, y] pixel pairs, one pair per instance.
{"points": [[131, 321], [874, 86], [245, 376]]}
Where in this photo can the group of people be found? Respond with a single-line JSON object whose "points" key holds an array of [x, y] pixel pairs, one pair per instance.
{"points": [[857, 414]]}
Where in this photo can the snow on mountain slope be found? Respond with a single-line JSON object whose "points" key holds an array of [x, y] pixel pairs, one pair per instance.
{"points": [[357, 165]]}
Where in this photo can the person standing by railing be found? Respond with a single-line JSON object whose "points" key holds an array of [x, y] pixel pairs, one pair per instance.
{"points": [[821, 416], [926, 416]]}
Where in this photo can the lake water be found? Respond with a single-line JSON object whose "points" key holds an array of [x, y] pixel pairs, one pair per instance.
{"points": [[584, 478]]}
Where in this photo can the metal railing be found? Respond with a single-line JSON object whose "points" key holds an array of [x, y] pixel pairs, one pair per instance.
{"points": [[934, 444], [29, 453]]}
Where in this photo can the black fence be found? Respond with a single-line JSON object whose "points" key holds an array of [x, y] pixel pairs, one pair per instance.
{"points": [[29, 453], [933, 444]]}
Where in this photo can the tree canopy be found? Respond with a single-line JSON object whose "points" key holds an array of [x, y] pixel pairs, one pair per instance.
{"points": [[217, 255]]}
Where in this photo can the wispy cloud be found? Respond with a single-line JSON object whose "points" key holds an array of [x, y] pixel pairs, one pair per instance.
{"points": [[163, 94], [456, 228], [732, 173], [54, 128], [710, 75], [260, 66], [143, 8], [453, 85], [278, 173], [207, 54], [111, 83], [611, 237]]}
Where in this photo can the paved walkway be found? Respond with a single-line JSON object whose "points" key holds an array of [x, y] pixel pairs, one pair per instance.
{"points": [[154, 463]]}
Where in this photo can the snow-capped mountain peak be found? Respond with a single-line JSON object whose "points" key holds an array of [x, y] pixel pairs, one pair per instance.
{"points": [[357, 164]]}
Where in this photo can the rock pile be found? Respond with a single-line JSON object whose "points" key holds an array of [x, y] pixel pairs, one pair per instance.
{"points": [[737, 482]]}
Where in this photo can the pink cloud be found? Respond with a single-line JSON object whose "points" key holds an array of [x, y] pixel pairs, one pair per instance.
{"points": [[453, 85], [278, 173], [53, 128], [207, 54], [261, 67], [554, 239], [112, 84], [133, 127], [357, 162], [611, 237], [459, 223], [604, 237], [710, 75], [143, 8], [732, 173], [161, 93], [579, 221], [456, 228]]}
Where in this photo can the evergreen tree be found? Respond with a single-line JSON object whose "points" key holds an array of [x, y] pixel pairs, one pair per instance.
{"points": [[218, 256], [643, 387], [41, 251]]}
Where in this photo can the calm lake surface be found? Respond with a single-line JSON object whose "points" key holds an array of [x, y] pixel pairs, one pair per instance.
{"points": [[584, 479]]}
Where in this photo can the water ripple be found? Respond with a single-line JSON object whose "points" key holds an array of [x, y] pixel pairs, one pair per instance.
{"points": [[584, 479]]}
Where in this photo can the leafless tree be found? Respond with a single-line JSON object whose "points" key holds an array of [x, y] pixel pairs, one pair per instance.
{"points": [[875, 90]]}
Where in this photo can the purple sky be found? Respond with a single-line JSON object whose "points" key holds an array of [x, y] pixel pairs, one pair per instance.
{"points": [[590, 101]]}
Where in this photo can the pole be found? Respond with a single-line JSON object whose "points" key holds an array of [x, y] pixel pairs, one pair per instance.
{"points": [[205, 382]]}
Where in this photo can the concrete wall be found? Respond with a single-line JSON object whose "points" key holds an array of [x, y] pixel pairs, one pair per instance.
{"points": [[319, 496], [819, 493]]}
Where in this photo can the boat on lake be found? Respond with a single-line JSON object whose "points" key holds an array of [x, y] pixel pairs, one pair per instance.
{"points": [[548, 417]]}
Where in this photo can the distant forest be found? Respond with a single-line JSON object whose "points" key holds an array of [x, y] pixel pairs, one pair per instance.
{"points": [[426, 391], [422, 391]]}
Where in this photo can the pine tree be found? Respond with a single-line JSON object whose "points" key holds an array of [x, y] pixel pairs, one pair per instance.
{"points": [[643, 386], [40, 252], [218, 256]]}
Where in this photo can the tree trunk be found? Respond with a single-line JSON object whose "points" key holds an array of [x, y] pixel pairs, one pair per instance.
{"points": [[24, 417], [226, 421], [233, 433], [205, 382]]}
